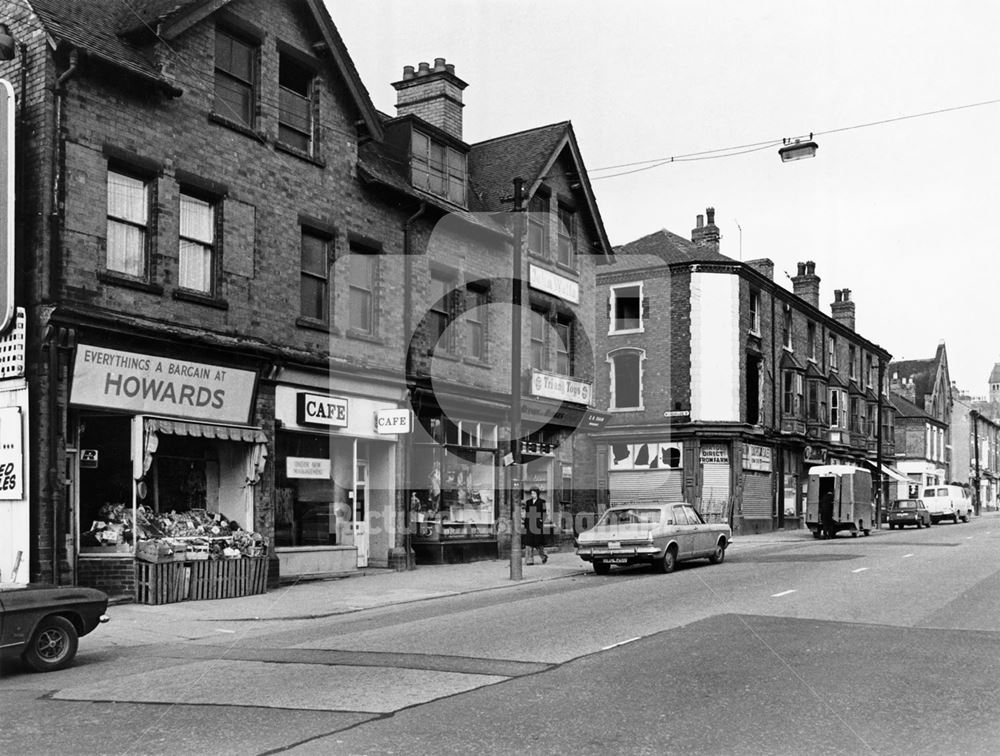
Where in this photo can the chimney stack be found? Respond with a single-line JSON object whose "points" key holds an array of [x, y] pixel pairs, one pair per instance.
{"points": [[806, 284], [842, 308], [706, 235], [433, 94], [764, 266]]}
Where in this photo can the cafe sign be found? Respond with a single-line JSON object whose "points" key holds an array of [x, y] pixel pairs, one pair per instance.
{"points": [[393, 421], [559, 387], [145, 384], [321, 410]]}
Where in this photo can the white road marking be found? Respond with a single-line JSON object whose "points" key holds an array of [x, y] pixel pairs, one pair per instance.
{"points": [[220, 630], [783, 593], [615, 645], [860, 569], [907, 555], [968, 538]]}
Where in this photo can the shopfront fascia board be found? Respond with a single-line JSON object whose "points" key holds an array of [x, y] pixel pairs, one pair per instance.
{"points": [[150, 384]]}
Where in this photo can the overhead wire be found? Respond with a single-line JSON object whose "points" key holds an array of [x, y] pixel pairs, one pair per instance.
{"points": [[754, 147]]}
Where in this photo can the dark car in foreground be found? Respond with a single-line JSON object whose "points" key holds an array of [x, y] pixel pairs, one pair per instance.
{"points": [[657, 534], [43, 623], [908, 512]]}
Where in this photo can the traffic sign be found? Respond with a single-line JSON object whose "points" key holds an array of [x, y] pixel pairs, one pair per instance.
{"points": [[6, 205]]}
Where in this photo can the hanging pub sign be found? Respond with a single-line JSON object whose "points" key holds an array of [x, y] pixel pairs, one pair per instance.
{"points": [[146, 384], [321, 410]]}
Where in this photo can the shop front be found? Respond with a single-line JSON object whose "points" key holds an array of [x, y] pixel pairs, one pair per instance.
{"points": [[453, 495], [758, 487], [15, 519], [335, 479], [164, 469]]}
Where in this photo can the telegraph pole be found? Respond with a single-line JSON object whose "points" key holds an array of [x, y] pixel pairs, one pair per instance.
{"points": [[974, 415], [515, 384]]}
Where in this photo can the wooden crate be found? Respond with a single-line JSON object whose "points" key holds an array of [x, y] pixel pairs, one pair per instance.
{"points": [[228, 578], [210, 579], [159, 583]]}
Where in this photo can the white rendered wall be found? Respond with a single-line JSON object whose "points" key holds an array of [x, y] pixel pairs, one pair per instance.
{"points": [[715, 347]]}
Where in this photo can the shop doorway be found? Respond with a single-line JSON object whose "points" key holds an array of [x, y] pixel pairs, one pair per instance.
{"points": [[360, 520]]}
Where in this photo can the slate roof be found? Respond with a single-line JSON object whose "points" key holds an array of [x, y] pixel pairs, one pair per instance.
{"points": [[922, 372], [112, 30], [995, 374], [90, 26], [905, 408], [495, 162], [670, 248]]}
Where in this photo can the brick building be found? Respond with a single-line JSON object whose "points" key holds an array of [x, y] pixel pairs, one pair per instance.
{"points": [[925, 385], [236, 276], [725, 388]]}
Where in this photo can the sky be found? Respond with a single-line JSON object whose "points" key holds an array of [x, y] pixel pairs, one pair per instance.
{"points": [[900, 213]]}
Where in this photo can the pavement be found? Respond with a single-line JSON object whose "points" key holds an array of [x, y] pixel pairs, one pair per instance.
{"points": [[140, 624]]}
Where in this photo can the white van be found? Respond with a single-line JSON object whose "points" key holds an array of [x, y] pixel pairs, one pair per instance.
{"points": [[948, 503]]}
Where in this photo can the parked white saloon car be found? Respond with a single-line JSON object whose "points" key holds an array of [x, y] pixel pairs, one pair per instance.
{"points": [[657, 534]]}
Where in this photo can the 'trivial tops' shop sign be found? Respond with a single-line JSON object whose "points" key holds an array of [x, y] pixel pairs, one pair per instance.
{"points": [[148, 385]]}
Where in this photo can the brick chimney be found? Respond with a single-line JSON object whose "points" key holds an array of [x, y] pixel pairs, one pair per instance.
{"points": [[706, 234], [764, 266], [806, 284], [842, 308], [433, 94]]}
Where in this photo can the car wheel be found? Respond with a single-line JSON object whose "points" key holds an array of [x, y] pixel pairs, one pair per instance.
{"points": [[602, 568], [867, 531], [669, 561], [719, 554], [53, 645]]}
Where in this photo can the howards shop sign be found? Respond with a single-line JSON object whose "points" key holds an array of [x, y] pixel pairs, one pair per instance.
{"points": [[146, 384], [321, 410]]}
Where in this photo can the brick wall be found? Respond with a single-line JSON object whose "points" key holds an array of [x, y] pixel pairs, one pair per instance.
{"points": [[116, 577]]}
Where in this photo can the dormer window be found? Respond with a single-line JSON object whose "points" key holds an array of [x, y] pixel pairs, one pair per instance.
{"points": [[437, 168], [295, 104]]}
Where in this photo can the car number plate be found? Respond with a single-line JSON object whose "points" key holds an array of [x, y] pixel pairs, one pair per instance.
{"points": [[615, 560], [614, 544]]}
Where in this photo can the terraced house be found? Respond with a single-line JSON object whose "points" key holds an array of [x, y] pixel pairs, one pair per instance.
{"points": [[236, 277], [725, 388]]}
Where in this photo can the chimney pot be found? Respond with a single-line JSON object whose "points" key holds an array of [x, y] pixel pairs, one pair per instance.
{"points": [[439, 64], [802, 269], [407, 72], [699, 221], [710, 212], [847, 295], [450, 68], [423, 69], [810, 268]]}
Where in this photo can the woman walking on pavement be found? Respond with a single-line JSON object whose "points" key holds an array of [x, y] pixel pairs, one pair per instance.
{"points": [[534, 537]]}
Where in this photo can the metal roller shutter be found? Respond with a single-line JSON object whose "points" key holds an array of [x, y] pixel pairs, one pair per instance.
{"points": [[757, 496], [659, 485], [715, 491]]}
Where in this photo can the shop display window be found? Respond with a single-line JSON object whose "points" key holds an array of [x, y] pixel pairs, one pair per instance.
{"points": [[312, 511], [454, 490], [105, 509]]}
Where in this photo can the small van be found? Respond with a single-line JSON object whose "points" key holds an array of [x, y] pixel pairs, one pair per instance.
{"points": [[948, 503]]}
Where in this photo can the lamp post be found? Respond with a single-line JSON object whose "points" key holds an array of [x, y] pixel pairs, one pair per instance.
{"points": [[515, 383]]}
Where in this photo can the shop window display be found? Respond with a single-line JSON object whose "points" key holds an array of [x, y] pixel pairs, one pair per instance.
{"points": [[312, 511], [454, 494], [181, 496]]}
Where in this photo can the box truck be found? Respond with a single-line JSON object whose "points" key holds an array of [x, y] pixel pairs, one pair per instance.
{"points": [[851, 487]]}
